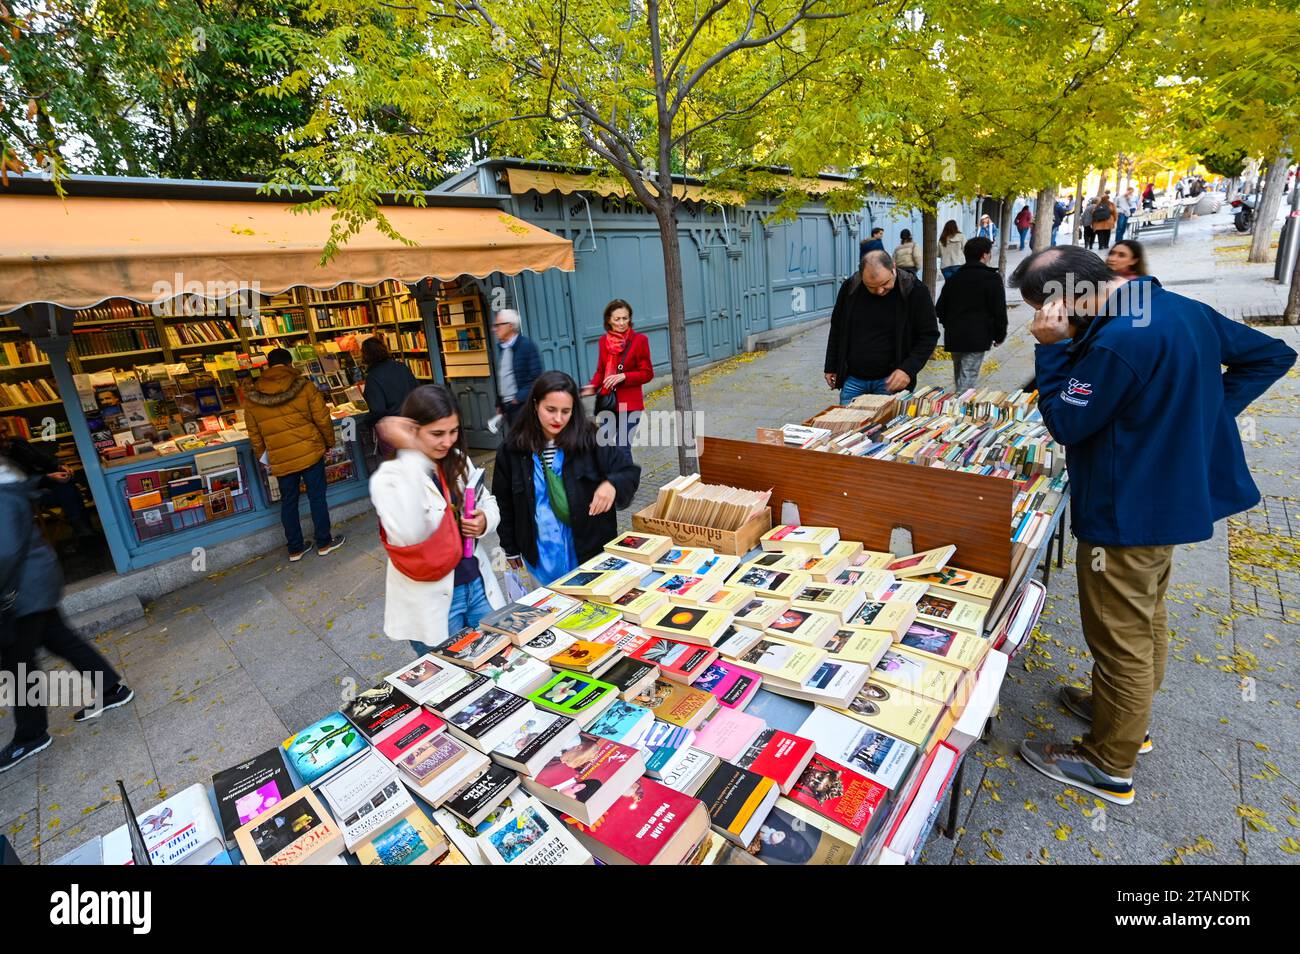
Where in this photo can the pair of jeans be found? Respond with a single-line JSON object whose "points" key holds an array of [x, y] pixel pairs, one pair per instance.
{"points": [[1120, 226], [314, 478], [1024, 233], [855, 386], [1122, 609], [1055, 229], [51, 631], [966, 369], [469, 604]]}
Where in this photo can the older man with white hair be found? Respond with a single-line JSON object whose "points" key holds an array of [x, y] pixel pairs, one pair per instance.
{"points": [[519, 364]]}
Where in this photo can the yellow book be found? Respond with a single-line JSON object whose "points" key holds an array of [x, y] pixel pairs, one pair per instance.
{"points": [[759, 612], [642, 547], [896, 712], [783, 584], [719, 565], [851, 644], [892, 617], [690, 624], [788, 538], [607, 586], [636, 603], [823, 567], [683, 560], [920, 564], [688, 589], [945, 643], [920, 674], [946, 611], [727, 599], [804, 626], [873, 583], [835, 598], [411, 840], [784, 662], [772, 561], [964, 584], [873, 559]]}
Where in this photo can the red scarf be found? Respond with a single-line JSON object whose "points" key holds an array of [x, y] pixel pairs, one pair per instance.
{"points": [[614, 345]]}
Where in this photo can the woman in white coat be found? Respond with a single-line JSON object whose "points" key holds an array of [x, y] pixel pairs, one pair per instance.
{"points": [[433, 589]]}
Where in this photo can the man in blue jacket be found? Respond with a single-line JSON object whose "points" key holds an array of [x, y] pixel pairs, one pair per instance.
{"points": [[1131, 380], [519, 364]]}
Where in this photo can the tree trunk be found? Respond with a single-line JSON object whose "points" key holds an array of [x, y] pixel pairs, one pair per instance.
{"points": [[673, 288], [930, 249], [1266, 211], [1044, 210], [1076, 229], [1291, 316], [1004, 229]]}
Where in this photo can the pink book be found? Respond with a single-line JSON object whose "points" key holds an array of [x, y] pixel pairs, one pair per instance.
{"points": [[733, 686], [728, 734]]}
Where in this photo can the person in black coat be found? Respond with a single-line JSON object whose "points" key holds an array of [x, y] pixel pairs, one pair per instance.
{"points": [[31, 585], [557, 486], [973, 311], [388, 382]]}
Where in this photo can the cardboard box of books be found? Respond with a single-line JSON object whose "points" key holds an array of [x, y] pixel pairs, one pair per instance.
{"points": [[730, 542]]}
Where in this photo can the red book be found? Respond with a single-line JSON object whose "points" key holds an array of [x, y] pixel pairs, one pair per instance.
{"points": [[778, 755], [425, 725], [650, 825], [839, 793], [680, 662]]}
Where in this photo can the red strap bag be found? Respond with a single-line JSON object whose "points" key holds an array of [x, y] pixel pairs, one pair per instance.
{"points": [[437, 555]]}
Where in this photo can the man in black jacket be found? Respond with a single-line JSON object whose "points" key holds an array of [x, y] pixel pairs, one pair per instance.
{"points": [[973, 311], [883, 330]]}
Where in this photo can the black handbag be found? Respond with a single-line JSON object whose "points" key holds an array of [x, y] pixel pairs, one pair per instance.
{"points": [[608, 401]]}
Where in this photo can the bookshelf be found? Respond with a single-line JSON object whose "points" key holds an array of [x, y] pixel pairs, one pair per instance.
{"points": [[462, 337]]}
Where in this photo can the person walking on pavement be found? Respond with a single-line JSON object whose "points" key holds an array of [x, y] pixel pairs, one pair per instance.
{"points": [[1128, 207], [987, 229], [1149, 196], [883, 330], [1132, 381], [388, 382], [31, 586], [1060, 210], [908, 254], [1104, 216], [519, 364], [972, 308], [951, 244], [1089, 234], [289, 426], [1024, 222], [623, 368], [875, 243]]}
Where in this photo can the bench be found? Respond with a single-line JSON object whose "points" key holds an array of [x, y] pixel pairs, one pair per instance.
{"points": [[1156, 222]]}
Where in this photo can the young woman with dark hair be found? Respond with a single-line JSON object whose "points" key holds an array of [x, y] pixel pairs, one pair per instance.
{"points": [[432, 589], [951, 243], [623, 367], [1128, 259], [557, 485], [387, 384]]}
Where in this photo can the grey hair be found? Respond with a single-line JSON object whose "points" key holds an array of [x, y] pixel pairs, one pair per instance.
{"points": [[511, 316]]}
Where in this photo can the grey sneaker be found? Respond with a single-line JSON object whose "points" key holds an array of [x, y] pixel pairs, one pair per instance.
{"points": [[1079, 701], [1066, 763]]}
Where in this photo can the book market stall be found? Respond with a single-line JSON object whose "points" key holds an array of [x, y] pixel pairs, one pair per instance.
{"points": [[134, 316], [713, 688]]}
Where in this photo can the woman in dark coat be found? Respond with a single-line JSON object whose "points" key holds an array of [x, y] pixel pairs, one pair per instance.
{"points": [[388, 382], [556, 485]]}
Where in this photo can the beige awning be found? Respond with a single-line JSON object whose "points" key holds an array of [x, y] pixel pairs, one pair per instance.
{"points": [[79, 251], [542, 181]]}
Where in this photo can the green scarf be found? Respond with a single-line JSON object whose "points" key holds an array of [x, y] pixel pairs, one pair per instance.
{"points": [[556, 493]]}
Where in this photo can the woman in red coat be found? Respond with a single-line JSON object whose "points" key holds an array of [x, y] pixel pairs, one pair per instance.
{"points": [[623, 367]]}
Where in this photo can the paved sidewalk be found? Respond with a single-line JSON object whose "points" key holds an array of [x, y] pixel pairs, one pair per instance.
{"points": [[231, 665]]}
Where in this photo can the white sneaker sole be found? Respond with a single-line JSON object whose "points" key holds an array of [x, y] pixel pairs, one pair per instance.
{"points": [[1076, 783], [95, 713], [27, 755]]}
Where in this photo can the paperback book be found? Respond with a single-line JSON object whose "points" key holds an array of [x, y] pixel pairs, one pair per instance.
{"points": [[677, 704], [732, 685]]}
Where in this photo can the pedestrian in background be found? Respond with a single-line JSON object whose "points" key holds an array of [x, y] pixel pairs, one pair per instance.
{"points": [[31, 586], [432, 588], [908, 254], [1128, 207], [1128, 259], [987, 229], [1104, 217], [1024, 222], [518, 364], [951, 244], [1089, 235], [1060, 210], [388, 382], [972, 308], [876, 242], [556, 485], [623, 368]]}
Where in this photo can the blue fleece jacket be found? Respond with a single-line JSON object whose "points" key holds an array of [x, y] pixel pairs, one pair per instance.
{"points": [[1146, 412]]}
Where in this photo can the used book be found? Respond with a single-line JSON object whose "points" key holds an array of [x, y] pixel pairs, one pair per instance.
{"points": [[678, 704], [794, 834], [623, 722], [587, 621], [379, 710], [625, 637], [479, 798], [594, 584], [780, 584], [460, 773], [366, 797], [586, 778], [833, 683], [650, 824], [728, 734], [248, 789], [843, 601], [535, 742], [636, 603], [760, 612], [778, 755], [181, 830], [923, 563], [805, 626], [471, 647], [923, 675], [515, 670], [428, 679], [943, 642], [526, 835], [587, 657], [323, 748], [682, 662], [727, 599], [839, 794], [945, 611], [782, 662], [578, 697], [682, 559], [963, 584], [896, 712], [788, 538], [546, 645], [297, 831], [852, 644], [880, 757], [631, 677], [661, 745], [738, 801], [732, 685], [410, 840], [644, 548], [520, 621], [424, 757], [891, 617], [688, 770], [487, 719], [687, 589], [690, 624], [737, 641]]}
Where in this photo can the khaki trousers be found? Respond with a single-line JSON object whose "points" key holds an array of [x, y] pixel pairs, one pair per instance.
{"points": [[1122, 608]]}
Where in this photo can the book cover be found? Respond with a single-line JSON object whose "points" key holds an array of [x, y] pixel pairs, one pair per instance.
{"points": [[644, 548], [483, 794], [680, 661], [427, 678], [322, 747], [628, 675], [946, 611], [470, 645], [843, 601], [583, 655], [250, 788], [727, 599], [793, 834], [411, 840], [728, 734], [896, 712], [720, 566], [520, 621], [486, 715], [587, 620], [778, 755], [662, 743], [365, 797], [923, 563], [296, 831], [622, 722], [640, 826], [677, 704], [736, 641], [688, 623], [880, 757], [682, 560], [614, 563], [838, 793], [865, 646], [759, 612], [873, 559], [923, 675], [687, 589], [871, 582], [533, 735], [624, 637], [963, 583], [426, 757], [688, 769], [733, 796], [773, 560], [805, 626], [781, 584], [547, 644], [904, 591], [573, 695], [636, 603], [585, 765], [950, 645], [515, 670], [528, 835], [783, 662], [891, 616], [732, 685], [801, 539], [376, 710]]}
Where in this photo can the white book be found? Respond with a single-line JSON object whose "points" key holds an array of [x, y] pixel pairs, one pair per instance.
{"points": [[833, 683], [547, 644], [909, 829], [688, 770], [446, 784], [428, 678], [529, 835], [880, 757], [366, 797], [980, 705], [182, 830]]}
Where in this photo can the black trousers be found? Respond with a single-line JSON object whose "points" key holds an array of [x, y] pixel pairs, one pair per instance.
{"points": [[48, 630]]}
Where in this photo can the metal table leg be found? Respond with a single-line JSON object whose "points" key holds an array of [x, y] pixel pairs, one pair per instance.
{"points": [[954, 802]]}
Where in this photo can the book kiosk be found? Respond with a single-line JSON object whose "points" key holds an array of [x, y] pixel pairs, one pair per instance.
{"points": [[134, 314], [882, 504]]}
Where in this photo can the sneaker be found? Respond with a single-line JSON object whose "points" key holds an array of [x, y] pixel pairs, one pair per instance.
{"points": [[1079, 701], [13, 753], [119, 695], [331, 546], [1067, 763], [295, 557]]}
